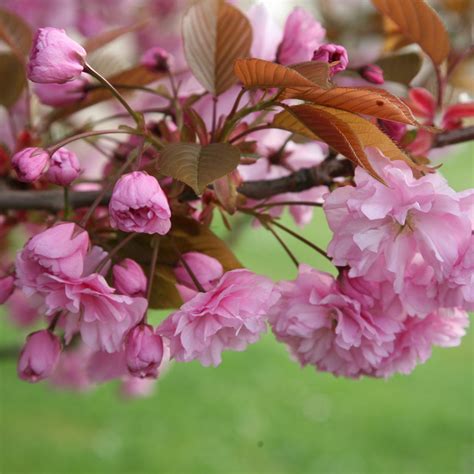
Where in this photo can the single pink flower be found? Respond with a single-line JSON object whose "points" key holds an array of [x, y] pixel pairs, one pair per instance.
{"points": [[55, 57], [39, 356], [157, 59], [228, 317], [129, 278], [7, 285], [385, 232], [64, 167], [413, 345], [102, 316], [60, 95], [143, 351], [138, 204], [30, 163], [331, 53], [336, 332], [59, 250], [302, 35]]}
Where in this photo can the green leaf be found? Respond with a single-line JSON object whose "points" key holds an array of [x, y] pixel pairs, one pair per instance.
{"points": [[198, 166]]}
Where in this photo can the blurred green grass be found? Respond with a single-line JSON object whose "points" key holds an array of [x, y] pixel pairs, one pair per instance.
{"points": [[258, 412]]}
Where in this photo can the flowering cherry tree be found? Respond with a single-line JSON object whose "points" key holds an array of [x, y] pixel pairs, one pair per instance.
{"points": [[236, 116]]}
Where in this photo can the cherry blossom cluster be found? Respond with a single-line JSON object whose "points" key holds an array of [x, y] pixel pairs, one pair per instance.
{"points": [[402, 246]]}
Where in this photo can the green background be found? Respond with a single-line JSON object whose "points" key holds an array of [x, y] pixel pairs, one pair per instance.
{"points": [[258, 412]]}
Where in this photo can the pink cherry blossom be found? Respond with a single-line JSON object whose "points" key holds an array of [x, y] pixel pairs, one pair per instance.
{"points": [[129, 278], [55, 57], [341, 333], [39, 356], [330, 53], [302, 35], [30, 163], [138, 204], [102, 316], [60, 95], [64, 167], [380, 230], [59, 250], [228, 317], [413, 345], [143, 351]]}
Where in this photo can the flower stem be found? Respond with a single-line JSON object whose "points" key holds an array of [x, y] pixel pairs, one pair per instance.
{"points": [[90, 70]]}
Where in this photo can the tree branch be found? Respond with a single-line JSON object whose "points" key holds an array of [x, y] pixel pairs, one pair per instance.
{"points": [[323, 174], [452, 137]]}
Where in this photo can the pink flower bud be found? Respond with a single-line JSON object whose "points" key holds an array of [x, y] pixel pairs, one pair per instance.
{"points": [[157, 59], [59, 95], [143, 351], [6, 288], [372, 73], [55, 57], [138, 204], [129, 278], [39, 356], [330, 53], [64, 168], [207, 270], [30, 163]]}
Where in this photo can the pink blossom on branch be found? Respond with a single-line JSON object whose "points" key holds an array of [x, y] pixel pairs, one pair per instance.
{"points": [[382, 232], [39, 356], [228, 317], [30, 163], [324, 327], [55, 57], [138, 204], [332, 53], [64, 167], [144, 351]]}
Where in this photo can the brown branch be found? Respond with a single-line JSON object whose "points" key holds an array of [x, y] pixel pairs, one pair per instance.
{"points": [[323, 174], [452, 137]]}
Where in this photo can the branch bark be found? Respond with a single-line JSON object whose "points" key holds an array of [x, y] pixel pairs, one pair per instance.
{"points": [[323, 174]]}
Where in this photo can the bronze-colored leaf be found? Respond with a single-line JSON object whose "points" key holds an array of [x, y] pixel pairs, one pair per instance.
{"points": [[15, 32], [368, 134], [316, 72], [363, 100], [197, 165], [334, 131], [255, 73], [12, 79], [215, 34], [420, 24], [103, 39], [400, 68], [135, 77]]}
